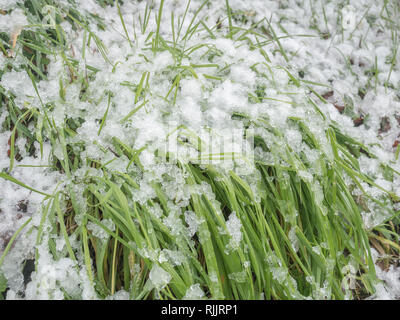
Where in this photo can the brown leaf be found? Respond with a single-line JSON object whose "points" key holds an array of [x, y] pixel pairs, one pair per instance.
{"points": [[377, 246], [339, 107], [328, 94], [385, 125], [359, 121]]}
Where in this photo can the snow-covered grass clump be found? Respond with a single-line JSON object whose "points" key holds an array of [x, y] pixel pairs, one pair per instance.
{"points": [[198, 149]]}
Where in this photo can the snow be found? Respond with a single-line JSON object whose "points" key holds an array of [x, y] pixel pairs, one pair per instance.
{"points": [[192, 222], [14, 21], [200, 103], [98, 231], [159, 277], [19, 84], [233, 225], [389, 286], [176, 258], [119, 295], [194, 293]]}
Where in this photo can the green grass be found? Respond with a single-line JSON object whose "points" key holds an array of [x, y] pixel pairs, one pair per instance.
{"points": [[299, 235]]}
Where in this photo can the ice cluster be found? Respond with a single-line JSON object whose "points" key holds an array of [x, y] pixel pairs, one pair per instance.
{"points": [[134, 97]]}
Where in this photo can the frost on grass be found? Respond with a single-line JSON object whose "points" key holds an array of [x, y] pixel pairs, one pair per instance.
{"points": [[188, 137]]}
